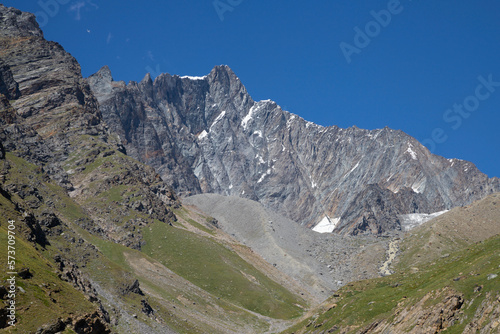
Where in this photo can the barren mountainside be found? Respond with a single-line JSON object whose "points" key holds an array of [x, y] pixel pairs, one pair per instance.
{"points": [[207, 135]]}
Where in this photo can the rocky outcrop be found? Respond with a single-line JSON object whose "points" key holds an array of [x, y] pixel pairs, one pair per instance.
{"points": [[2, 150], [429, 320], [376, 210], [206, 134], [87, 324], [45, 85], [15, 23], [8, 86], [90, 324], [52, 114], [437, 318], [48, 103], [51, 131], [487, 316]]}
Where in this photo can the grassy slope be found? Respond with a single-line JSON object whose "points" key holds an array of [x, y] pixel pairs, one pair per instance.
{"points": [[207, 277], [209, 264], [450, 232], [45, 296], [219, 270], [362, 303], [194, 301], [461, 269]]}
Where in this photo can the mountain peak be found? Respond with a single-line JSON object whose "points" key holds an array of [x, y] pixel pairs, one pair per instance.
{"points": [[15, 23], [258, 151], [223, 73], [147, 79], [223, 68], [102, 81], [104, 74]]}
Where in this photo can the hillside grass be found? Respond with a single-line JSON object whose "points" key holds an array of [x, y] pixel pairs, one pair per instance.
{"points": [[184, 214], [225, 287], [113, 271], [45, 298], [361, 303], [219, 271]]}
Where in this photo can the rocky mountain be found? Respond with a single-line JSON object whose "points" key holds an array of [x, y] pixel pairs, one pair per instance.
{"points": [[207, 135], [102, 243]]}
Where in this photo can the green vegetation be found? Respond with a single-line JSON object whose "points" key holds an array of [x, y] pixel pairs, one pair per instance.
{"points": [[114, 270], [183, 213], [23, 172], [361, 303], [44, 297], [219, 270], [189, 278]]}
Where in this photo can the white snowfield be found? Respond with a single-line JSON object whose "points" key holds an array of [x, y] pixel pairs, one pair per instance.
{"points": [[326, 225], [412, 220], [408, 221], [193, 77]]}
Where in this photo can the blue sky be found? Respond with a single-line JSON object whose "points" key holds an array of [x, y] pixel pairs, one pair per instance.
{"points": [[410, 70]]}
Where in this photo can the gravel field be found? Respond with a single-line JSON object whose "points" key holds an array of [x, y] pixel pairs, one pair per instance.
{"points": [[321, 263]]}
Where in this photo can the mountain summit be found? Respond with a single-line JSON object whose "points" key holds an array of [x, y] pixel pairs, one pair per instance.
{"points": [[207, 135]]}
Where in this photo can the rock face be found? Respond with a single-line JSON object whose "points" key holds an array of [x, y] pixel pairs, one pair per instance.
{"points": [[45, 99], [50, 86], [207, 135], [8, 87], [53, 143], [49, 113]]}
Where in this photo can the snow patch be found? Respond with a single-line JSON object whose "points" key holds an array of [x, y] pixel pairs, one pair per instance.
{"points": [[412, 153], [251, 112], [248, 117], [412, 220], [257, 156], [202, 135], [268, 172], [258, 133], [313, 184], [352, 170], [326, 225], [194, 78], [218, 118], [419, 186], [231, 186]]}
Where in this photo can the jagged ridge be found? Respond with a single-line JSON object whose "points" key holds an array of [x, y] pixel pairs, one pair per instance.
{"points": [[206, 134]]}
